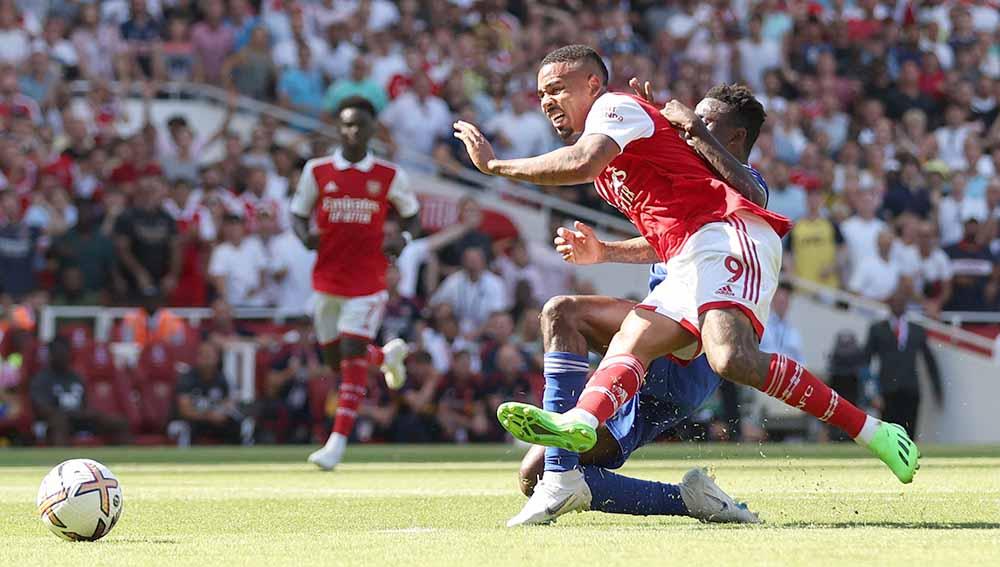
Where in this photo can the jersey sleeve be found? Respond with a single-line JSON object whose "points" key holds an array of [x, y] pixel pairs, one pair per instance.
{"points": [[620, 118], [306, 193], [402, 196]]}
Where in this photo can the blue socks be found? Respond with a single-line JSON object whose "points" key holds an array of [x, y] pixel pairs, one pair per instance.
{"points": [[565, 378], [617, 494]]}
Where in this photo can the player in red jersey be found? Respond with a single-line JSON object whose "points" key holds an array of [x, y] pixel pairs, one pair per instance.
{"points": [[723, 256], [347, 196]]}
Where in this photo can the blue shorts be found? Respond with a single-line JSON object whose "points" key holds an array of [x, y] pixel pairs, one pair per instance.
{"points": [[670, 394]]}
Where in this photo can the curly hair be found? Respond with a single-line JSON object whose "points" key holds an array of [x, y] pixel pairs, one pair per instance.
{"points": [[574, 53], [747, 111]]}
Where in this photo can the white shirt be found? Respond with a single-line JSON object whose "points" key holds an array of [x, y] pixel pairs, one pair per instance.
{"points": [[408, 263], [950, 144], [293, 293], [529, 134], [512, 274], [756, 58], [473, 302], [286, 53], [13, 46], [781, 337], [934, 268], [861, 237], [874, 278], [906, 258], [952, 212], [240, 267], [417, 124]]}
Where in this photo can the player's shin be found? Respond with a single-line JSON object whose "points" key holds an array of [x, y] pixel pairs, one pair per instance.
{"points": [[353, 382], [617, 380], [617, 494], [790, 382], [565, 377]]}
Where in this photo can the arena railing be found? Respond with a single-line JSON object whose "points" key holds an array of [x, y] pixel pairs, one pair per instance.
{"points": [[954, 335]]}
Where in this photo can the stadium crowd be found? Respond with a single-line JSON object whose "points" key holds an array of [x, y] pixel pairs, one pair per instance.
{"points": [[882, 142]]}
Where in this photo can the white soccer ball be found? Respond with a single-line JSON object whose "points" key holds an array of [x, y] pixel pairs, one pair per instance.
{"points": [[80, 500]]}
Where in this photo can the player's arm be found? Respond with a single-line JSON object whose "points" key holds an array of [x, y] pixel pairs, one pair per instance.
{"points": [[404, 200], [582, 246], [571, 165], [698, 136], [302, 205]]}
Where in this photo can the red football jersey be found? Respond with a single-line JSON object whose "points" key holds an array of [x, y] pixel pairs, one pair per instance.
{"points": [[349, 202], [666, 189]]}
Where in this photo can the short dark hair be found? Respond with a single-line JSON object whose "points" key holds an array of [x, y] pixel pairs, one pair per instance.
{"points": [[577, 52], [357, 102], [747, 111]]}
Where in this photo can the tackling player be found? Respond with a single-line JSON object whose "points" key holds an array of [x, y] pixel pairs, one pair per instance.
{"points": [[573, 325], [723, 255], [347, 195]]}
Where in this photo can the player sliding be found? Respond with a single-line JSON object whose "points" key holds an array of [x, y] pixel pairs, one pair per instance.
{"points": [[348, 195], [722, 252], [572, 325]]}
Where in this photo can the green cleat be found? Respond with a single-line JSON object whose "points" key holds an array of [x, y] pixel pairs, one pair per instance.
{"points": [[893, 446], [540, 427]]}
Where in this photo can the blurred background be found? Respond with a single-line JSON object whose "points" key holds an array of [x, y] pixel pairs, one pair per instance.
{"points": [[139, 135]]}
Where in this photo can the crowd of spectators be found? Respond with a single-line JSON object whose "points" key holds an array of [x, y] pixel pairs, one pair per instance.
{"points": [[882, 142]]}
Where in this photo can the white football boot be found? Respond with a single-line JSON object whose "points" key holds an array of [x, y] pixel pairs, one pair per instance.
{"points": [[708, 503], [394, 354], [555, 494], [328, 456]]}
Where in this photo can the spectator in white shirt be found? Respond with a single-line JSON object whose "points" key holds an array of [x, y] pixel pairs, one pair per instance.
{"points": [[876, 276], [780, 336], [950, 138], [516, 268], [933, 279], [417, 118], [861, 230], [521, 131], [237, 266], [955, 208], [473, 292], [289, 267], [422, 251], [757, 55]]}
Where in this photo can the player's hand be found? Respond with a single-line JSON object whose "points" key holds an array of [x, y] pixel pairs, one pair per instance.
{"points": [[580, 246], [680, 116], [642, 89], [479, 148]]}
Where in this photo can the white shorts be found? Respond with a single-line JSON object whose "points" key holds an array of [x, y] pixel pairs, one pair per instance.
{"points": [[334, 316], [728, 264]]}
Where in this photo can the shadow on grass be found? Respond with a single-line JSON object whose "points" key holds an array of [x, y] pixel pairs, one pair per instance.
{"points": [[135, 540], [891, 525]]}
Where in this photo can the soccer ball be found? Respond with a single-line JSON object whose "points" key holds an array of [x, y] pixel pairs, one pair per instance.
{"points": [[80, 500]]}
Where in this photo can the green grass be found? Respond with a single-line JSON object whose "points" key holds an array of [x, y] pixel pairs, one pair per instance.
{"points": [[416, 506]]}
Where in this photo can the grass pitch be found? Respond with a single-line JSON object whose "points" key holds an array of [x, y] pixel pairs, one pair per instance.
{"points": [[420, 505]]}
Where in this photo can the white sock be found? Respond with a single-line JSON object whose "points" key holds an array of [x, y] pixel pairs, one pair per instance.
{"points": [[867, 432], [584, 416], [336, 442]]}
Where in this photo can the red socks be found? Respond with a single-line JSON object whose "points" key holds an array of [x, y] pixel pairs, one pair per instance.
{"points": [[375, 356], [616, 381], [791, 383], [353, 381]]}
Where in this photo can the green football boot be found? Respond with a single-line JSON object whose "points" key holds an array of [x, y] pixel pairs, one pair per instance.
{"points": [[551, 429], [893, 446]]}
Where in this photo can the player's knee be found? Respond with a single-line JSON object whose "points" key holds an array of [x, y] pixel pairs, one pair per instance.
{"points": [[531, 470], [732, 360], [560, 311]]}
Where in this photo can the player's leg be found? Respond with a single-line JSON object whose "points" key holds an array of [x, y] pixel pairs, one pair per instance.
{"points": [[731, 329], [644, 336], [570, 327]]}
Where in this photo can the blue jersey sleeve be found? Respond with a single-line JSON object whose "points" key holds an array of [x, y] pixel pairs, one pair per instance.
{"points": [[760, 181]]}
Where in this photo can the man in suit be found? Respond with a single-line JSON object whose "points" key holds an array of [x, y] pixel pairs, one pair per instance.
{"points": [[897, 342]]}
